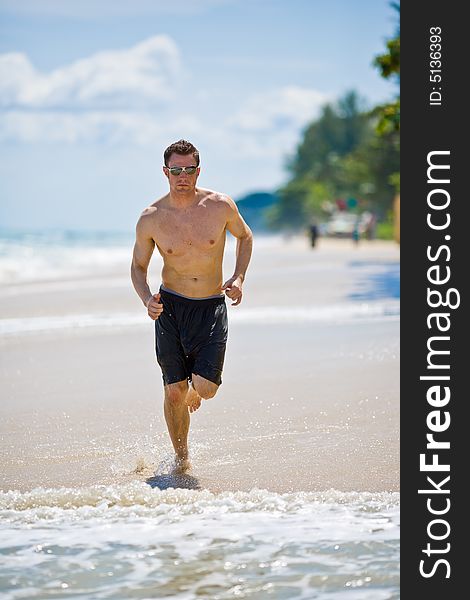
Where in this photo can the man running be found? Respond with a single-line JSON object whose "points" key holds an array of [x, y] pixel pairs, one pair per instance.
{"points": [[188, 227]]}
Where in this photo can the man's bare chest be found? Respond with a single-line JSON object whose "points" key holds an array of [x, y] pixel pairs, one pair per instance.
{"points": [[194, 232]]}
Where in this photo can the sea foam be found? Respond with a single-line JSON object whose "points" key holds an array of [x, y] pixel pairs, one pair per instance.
{"points": [[132, 540]]}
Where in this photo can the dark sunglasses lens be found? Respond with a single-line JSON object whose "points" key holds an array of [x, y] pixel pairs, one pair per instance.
{"points": [[191, 170], [176, 170]]}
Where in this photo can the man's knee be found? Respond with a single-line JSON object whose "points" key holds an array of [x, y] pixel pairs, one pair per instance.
{"points": [[205, 388], [175, 393]]}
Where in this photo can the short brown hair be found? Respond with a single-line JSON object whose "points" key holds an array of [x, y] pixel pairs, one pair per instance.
{"points": [[181, 147]]}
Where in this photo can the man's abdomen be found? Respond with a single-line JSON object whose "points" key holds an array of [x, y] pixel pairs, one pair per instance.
{"points": [[194, 283]]}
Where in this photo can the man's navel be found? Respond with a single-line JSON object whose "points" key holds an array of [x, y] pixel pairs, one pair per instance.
{"points": [[170, 251]]}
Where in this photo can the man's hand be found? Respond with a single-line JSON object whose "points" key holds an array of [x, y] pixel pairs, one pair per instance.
{"points": [[233, 289], [154, 308]]}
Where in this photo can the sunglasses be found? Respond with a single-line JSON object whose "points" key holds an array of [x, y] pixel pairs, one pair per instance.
{"points": [[178, 170]]}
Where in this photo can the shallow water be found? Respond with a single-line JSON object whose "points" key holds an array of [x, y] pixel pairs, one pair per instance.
{"points": [[133, 541]]}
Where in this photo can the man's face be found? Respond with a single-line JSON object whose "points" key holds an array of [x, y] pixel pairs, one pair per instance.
{"points": [[183, 182]]}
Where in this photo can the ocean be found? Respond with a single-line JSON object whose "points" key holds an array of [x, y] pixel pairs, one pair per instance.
{"points": [[57, 254], [133, 541]]}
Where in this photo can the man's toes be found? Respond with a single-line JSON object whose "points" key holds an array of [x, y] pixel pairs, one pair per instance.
{"points": [[195, 404], [193, 400]]}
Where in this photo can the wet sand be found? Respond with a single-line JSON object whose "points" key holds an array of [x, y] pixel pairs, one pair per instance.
{"points": [[306, 403]]}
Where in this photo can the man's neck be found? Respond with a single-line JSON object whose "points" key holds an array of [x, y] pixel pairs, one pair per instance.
{"points": [[183, 199]]}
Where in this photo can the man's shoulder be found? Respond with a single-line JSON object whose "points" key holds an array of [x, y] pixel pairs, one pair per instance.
{"points": [[150, 214], [218, 198], [153, 209]]}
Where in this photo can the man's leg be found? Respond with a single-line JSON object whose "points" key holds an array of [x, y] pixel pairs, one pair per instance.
{"points": [[205, 388], [199, 389], [177, 417], [179, 398]]}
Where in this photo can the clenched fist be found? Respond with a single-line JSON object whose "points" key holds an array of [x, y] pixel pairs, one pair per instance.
{"points": [[233, 289], [154, 308]]}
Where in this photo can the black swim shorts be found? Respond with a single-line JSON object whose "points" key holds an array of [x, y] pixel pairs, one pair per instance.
{"points": [[190, 337]]}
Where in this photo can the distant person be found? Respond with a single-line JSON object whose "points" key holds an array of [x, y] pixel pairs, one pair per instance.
{"points": [[188, 226], [355, 232], [313, 231]]}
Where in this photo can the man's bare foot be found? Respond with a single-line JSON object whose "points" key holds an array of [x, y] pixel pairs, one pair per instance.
{"points": [[193, 399], [182, 465]]}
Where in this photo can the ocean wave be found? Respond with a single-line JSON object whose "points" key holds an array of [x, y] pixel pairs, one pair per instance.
{"points": [[26, 262], [130, 540], [141, 494], [38, 256], [258, 315]]}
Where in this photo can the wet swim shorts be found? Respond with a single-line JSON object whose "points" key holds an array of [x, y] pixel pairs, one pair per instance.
{"points": [[190, 337]]}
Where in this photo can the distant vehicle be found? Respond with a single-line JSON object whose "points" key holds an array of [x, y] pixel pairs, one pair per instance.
{"points": [[342, 224]]}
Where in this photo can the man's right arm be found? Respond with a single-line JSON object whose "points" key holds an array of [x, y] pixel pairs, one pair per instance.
{"points": [[143, 250]]}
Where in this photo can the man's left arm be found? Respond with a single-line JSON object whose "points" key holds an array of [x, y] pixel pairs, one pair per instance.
{"points": [[239, 229]]}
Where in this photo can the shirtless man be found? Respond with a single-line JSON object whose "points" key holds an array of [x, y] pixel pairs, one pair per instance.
{"points": [[188, 227]]}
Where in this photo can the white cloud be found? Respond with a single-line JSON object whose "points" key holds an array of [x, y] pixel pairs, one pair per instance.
{"points": [[111, 127], [142, 76], [244, 144], [287, 108], [132, 96]]}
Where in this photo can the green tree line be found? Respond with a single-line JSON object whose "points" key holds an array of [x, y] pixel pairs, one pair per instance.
{"points": [[349, 153]]}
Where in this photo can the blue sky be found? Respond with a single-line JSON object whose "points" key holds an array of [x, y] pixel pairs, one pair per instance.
{"points": [[92, 92]]}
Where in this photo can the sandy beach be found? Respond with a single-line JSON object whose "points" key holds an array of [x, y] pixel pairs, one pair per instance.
{"points": [[310, 393]]}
